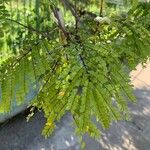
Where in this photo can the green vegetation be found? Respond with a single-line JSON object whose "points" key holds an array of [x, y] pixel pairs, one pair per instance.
{"points": [[79, 53]]}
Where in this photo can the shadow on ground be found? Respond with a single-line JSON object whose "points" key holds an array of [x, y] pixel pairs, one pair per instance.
{"points": [[134, 135]]}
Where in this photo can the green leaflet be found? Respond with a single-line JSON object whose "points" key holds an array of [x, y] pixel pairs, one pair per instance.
{"points": [[1, 33], [19, 75]]}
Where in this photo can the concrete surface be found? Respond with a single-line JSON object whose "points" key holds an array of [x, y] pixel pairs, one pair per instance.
{"points": [[134, 135]]}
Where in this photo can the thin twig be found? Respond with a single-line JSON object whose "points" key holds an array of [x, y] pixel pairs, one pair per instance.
{"points": [[69, 6], [29, 28], [101, 8], [60, 21], [25, 54]]}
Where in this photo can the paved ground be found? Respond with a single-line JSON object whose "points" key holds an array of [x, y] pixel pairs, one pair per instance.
{"points": [[134, 135]]}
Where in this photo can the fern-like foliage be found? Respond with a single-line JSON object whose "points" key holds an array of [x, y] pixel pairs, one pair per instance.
{"points": [[84, 69]]}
